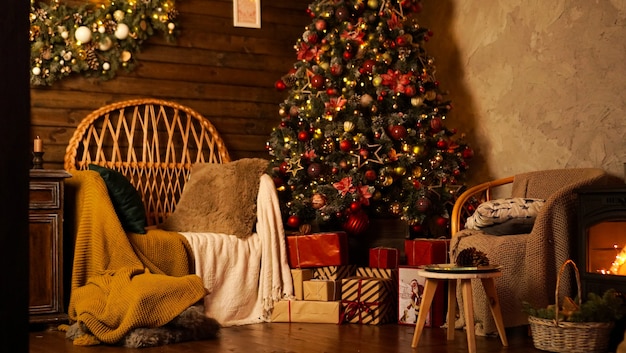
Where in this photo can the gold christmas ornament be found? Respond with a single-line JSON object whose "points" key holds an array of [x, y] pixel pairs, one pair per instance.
{"points": [[318, 201], [348, 126]]}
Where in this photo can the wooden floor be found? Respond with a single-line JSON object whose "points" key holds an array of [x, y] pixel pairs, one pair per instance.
{"points": [[304, 338]]}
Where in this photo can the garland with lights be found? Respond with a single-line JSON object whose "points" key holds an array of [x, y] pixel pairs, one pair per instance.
{"points": [[362, 130], [94, 39]]}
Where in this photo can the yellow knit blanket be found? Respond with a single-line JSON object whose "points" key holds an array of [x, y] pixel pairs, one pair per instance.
{"points": [[123, 281]]}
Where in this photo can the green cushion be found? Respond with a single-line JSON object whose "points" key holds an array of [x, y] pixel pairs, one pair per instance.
{"points": [[125, 198]]}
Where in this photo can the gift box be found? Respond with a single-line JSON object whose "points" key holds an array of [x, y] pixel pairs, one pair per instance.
{"points": [[367, 300], [306, 311], [426, 251], [381, 257], [410, 291], [299, 275], [322, 290], [334, 273], [390, 273], [317, 250]]}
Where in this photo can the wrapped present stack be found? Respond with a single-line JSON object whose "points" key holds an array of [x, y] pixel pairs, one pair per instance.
{"points": [[318, 264], [328, 289]]}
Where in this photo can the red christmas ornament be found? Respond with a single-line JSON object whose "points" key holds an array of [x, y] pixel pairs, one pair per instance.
{"points": [[283, 167], [303, 136], [320, 25], [345, 145], [314, 170], [417, 184], [355, 206], [370, 175], [468, 153], [356, 223], [410, 90], [317, 81], [397, 132], [278, 182], [441, 222], [332, 91], [436, 124], [442, 144], [336, 69], [293, 221], [368, 66], [347, 55], [280, 85], [313, 38], [423, 204], [416, 228]]}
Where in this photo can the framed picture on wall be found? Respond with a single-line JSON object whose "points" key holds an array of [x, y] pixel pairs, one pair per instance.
{"points": [[247, 13]]}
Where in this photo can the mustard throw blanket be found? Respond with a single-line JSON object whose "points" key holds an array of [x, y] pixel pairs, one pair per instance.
{"points": [[123, 281]]}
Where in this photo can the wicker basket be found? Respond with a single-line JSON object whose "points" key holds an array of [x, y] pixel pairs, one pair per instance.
{"points": [[570, 337]]}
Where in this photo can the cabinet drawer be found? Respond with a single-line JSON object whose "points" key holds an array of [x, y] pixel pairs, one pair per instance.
{"points": [[44, 195]]}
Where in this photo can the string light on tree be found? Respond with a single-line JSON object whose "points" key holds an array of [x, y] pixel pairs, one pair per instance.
{"points": [[365, 117]]}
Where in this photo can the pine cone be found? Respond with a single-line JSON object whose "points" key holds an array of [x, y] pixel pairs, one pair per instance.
{"points": [[471, 257]]}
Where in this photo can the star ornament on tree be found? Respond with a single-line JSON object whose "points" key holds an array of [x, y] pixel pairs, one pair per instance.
{"points": [[295, 165]]}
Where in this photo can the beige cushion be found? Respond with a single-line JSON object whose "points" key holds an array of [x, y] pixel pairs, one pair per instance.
{"points": [[219, 198], [505, 216]]}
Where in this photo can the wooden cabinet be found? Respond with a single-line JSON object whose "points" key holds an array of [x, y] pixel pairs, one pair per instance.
{"points": [[46, 300]]}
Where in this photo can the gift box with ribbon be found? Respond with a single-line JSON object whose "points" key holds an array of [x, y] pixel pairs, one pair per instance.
{"points": [[320, 289], [306, 311], [382, 257], [426, 251], [367, 300], [317, 250]]}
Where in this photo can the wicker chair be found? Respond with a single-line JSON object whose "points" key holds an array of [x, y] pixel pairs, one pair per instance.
{"points": [[530, 262], [152, 142], [155, 144]]}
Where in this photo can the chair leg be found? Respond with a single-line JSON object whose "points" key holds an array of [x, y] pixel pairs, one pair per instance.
{"points": [[451, 318], [494, 305], [427, 299], [468, 310]]}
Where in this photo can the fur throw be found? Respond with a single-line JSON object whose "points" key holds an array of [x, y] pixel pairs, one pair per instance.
{"points": [[191, 325], [219, 198]]}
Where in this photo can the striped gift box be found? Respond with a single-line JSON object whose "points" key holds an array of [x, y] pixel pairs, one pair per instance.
{"points": [[334, 273], [367, 300]]}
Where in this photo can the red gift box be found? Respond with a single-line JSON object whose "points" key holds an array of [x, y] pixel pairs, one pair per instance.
{"points": [[426, 251], [318, 249], [382, 257], [410, 291]]}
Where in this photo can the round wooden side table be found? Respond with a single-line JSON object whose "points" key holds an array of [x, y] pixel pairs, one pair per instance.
{"points": [[434, 275]]}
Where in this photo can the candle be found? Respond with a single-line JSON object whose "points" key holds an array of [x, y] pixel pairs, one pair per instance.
{"points": [[38, 145]]}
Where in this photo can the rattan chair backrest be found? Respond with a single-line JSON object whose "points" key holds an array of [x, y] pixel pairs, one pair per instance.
{"points": [[154, 143]]}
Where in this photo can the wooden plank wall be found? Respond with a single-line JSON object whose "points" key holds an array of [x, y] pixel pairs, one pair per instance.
{"points": [[225, 73]]}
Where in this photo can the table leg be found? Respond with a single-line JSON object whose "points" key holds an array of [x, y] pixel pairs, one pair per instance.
{"points": [[451, 318], [427, 300], [468, 310], [494, 305]]}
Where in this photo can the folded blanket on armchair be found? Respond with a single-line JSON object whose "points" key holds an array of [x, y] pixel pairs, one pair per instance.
{"points": [[124, 281]]}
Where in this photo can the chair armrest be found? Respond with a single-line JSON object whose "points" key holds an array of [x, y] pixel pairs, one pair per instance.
{"points": [[481, 193]]}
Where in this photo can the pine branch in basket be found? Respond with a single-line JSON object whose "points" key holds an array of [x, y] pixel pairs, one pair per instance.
{"points": [[611, 306]]}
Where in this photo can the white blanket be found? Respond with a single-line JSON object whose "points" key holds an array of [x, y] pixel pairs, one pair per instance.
{"points": [[245, 277]]}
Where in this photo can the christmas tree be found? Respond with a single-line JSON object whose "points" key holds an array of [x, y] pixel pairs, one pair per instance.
{"points": [[362, 130]]}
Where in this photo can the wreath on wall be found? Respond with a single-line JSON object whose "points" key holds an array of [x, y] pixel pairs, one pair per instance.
{"points": [[95, 40]]}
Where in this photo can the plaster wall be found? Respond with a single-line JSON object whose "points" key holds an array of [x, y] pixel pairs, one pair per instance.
{"points": [[535, 84]]}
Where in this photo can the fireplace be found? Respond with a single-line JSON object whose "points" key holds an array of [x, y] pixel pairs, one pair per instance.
{"points": [[602, 239]]}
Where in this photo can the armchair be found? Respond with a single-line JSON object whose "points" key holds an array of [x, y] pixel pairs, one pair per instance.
{"points": [[530, 261]]}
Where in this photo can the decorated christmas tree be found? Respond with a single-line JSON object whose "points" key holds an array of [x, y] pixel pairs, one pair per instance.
{"points": [[362, 131]]}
